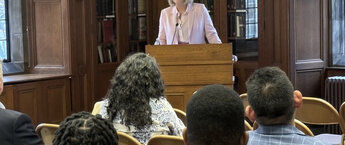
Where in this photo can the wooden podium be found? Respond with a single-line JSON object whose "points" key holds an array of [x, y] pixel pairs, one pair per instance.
{"points": [[186, 68]]}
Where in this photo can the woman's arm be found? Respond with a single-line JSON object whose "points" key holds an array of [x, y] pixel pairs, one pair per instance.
{"points": [[162, 33], [211, 32]]}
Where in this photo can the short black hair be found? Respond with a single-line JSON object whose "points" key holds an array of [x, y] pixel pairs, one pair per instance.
{"points": [[84, 128], [215, 115], [270, 94]]}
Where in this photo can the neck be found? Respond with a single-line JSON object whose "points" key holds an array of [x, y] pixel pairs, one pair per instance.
{"points": [[181, 8]]}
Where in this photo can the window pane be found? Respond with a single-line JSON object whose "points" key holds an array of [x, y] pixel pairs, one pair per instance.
{"points": [[338, 32], [2, 30], [2, 9], [3, 50]]}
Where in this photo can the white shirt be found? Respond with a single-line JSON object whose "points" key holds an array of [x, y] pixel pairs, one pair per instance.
{"points": [[183, 25], [2, 106]]}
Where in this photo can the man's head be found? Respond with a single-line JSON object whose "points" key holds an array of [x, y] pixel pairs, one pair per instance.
{"points": [[271, 97], [215, 115]]}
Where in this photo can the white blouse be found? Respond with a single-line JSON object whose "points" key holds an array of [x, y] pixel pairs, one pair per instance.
{"points": [[165, 121]]}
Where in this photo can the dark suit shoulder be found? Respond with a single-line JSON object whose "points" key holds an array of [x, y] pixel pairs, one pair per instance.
{"points": [[9, 116]]}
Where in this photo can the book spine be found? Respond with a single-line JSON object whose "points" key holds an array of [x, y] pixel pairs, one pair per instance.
{"points": [[109, 54], [238, 34], [100, 53], [142, 28], [141, 6]]}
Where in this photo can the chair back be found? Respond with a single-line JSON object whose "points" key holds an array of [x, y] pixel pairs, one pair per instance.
{"points": [[125, 139], [181, 115], [47, 132], [97, 107], [244, 98], [317, 111], [166, 140], [342, 115], [302, 127], [298, 124]]}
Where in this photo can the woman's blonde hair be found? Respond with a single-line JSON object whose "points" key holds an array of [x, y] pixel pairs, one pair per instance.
{"points": [[172, 3]]}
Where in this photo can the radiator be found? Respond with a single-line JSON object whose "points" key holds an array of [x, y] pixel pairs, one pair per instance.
{"points": [[335, 94]]}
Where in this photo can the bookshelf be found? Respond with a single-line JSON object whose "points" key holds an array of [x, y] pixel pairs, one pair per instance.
{"points": [[137, 24], [242, 19], [106, 31]]}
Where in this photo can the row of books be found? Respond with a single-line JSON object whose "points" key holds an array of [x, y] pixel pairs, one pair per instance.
{"points": [[237, 23], [136, 6], [106, 31], [137, 28], [236, 4], [105, 7], [107, 53]]}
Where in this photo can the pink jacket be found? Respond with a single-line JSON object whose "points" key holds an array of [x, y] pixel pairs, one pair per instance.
{"points": [[200, 26]]}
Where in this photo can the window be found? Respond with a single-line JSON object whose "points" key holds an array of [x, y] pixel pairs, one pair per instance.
{"points": [[4, 49], [337, 33], [252, 19]]}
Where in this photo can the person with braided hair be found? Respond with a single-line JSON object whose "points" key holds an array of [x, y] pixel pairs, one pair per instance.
{"points": [[135, 101], [83, 128]]}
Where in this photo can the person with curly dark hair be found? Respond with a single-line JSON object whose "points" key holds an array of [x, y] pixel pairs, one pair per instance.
{"points": [[84, 128], [135, 101]]}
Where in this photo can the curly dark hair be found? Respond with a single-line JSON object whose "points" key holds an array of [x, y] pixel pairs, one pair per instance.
{"points": [[135, 81], [86, 129]]}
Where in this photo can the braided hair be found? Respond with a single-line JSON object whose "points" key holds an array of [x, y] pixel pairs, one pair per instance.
{"points": [[135, 81], [86, 129]]}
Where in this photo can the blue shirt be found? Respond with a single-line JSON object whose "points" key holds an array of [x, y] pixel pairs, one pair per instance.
{"points": [[281, 135]]}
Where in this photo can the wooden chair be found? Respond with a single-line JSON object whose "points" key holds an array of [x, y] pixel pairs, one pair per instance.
{"points": [[302, 127], [125, 139], [244, 98], [47, 132], [182, 115], [342, 121], [248, 127], [166, 140], [317, 111], [97, 107], [298, 124]]}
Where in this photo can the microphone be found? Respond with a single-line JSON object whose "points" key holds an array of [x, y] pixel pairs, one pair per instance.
{"points": [[174, 34]]}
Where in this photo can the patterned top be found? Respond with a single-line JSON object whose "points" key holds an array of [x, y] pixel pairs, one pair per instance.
{"points": [[165, 121], [281, 135]]}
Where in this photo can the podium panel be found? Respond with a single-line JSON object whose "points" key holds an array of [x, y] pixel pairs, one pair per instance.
{"points": [[186, 68]]}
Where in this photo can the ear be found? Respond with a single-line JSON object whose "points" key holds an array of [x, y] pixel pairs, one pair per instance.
{"points": [[244, 138], [184, 134], [298, 98], [250, 113]]}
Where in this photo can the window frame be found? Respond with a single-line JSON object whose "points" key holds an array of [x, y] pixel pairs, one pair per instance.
{"points": [[8, 40]]}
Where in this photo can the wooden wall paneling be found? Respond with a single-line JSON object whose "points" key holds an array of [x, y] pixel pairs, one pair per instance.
{"points": [[6, 97], [178, 96], [242, 71], [154, 8], [44, 101], [221, 14], [309, 82], [273, 34], [50, 36], [26, 99], [56, 101], [309, 45], [82, 34], [103, 81]]}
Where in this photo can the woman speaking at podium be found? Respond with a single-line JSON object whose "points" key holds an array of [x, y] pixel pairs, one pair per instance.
{"points": [[185, 22]]}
